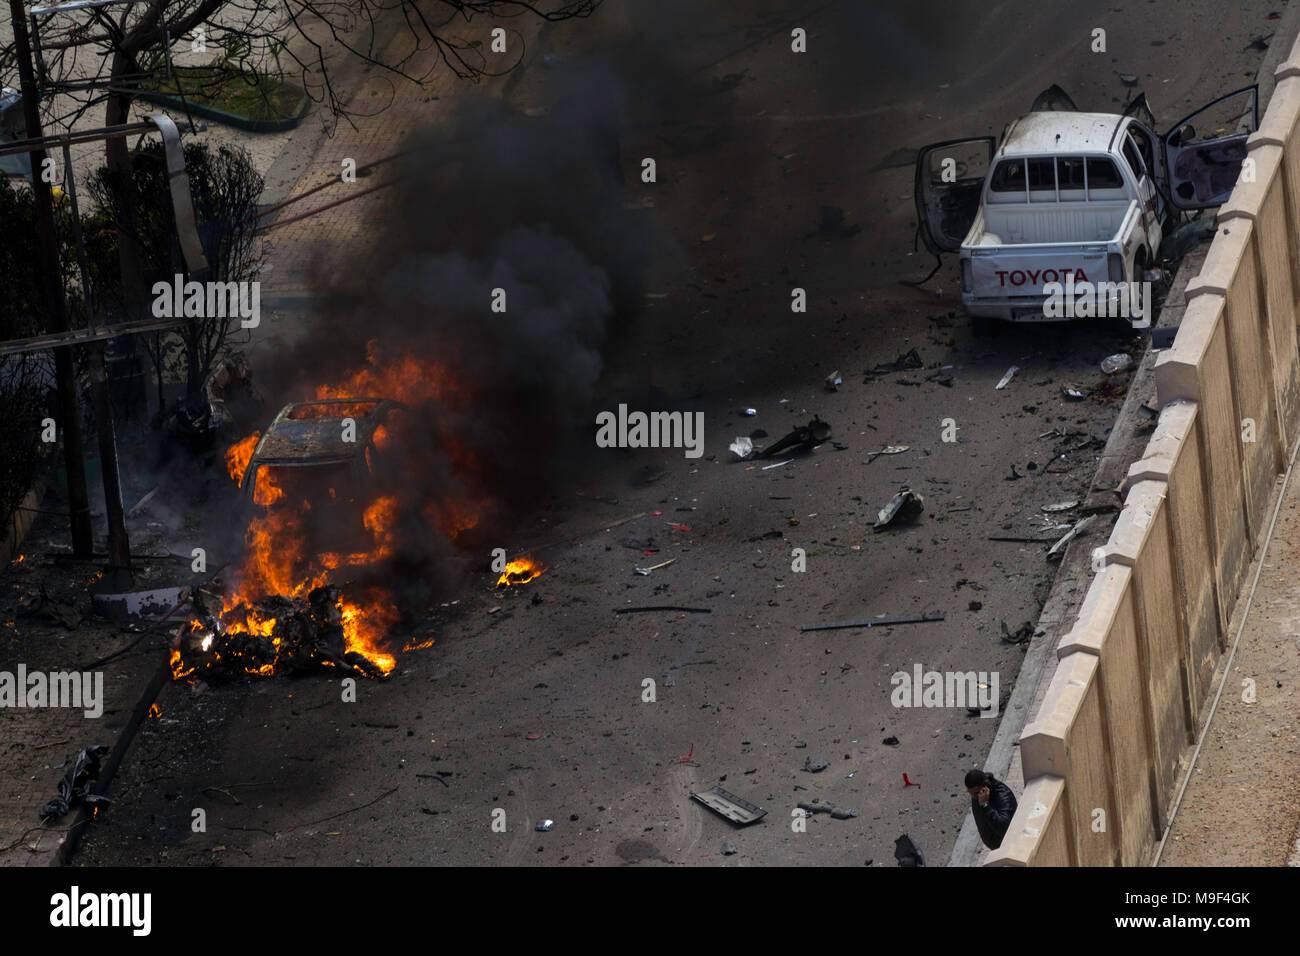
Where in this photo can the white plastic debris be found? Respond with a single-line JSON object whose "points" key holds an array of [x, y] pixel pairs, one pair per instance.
{"points": [[1006, 379], [544, 825], [1118, 362], [742, 446], [1072, 393], [751, 411]]}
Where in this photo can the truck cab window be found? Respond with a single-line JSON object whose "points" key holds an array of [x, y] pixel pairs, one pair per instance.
{"points": [[1042, 175], [1144, 147], [1102, 174], [1133, 158], [1009, 177], [1069, 172]]}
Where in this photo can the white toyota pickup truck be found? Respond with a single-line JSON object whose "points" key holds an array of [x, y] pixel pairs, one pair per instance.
{"points": [[1071, 197]]}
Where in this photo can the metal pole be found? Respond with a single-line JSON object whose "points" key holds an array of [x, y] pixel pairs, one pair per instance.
{"points": [[52, 287], [71, 182], [119, 547]]}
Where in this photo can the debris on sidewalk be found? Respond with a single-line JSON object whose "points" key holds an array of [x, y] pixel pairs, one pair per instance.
{"points": [[906, 506], [1061, 506], [1006, 379], [728, 848], [544, 825], [729, 805], [834, 381], [907, 853], [881, 621], [805, 437], [742, 447], [1072, 393], [74, 788], [777, 465], [814, 764]]}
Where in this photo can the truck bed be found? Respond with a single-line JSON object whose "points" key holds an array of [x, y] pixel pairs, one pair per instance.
{"points": [[1049, 222]]}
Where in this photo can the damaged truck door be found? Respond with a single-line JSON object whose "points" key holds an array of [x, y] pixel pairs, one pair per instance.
{"points": [[1072, 205]]}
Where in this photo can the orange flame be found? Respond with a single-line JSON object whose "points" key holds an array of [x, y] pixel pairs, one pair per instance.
{"points": [[520, 571], [280, 556], [239, 454]]}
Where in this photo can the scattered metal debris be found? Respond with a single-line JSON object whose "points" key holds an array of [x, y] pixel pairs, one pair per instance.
{"points": [[875, 622], [655, 567], [1061, 506], [1079, 528], [805, 437], [910, 359], [821, 806], [1114, 364], [159, 602], [742, 446], [888, 450], [777, 465], [664, 607], [906, 506], [730, 806]]}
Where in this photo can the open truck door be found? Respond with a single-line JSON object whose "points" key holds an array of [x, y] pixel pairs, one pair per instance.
{"points": [[949, 180], [1203, 152]]}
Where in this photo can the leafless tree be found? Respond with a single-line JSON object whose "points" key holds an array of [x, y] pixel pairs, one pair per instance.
{"points": [[105, 54], [224, 187]]}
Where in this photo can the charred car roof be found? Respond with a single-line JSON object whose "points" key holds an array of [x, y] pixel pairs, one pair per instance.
{"points": [[309, 433]]}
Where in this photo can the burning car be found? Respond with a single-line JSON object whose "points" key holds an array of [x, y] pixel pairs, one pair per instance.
{"points": [[326, 443], [309, 592]]}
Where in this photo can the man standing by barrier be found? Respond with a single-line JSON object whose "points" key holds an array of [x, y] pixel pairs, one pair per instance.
{"points": [[992, 804]]}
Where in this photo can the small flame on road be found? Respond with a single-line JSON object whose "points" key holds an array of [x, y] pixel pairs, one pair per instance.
{"points": [[520, 571]]}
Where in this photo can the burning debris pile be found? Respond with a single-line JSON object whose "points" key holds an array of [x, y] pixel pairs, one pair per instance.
{"points": [[271, 636]]}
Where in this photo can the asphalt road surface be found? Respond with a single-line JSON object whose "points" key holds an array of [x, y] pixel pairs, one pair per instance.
{"points": [[531, 700]]}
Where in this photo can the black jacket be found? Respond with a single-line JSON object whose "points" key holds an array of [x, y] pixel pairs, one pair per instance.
{"points": [[993, 818]]}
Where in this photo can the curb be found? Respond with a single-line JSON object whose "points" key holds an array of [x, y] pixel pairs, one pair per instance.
{"points": [[68, 847], [231, 119]]}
